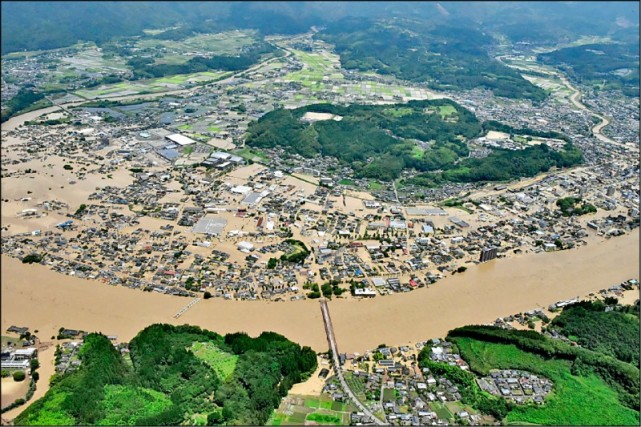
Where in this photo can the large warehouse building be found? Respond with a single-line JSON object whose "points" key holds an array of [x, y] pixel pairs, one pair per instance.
{"points": [[180, 139]]}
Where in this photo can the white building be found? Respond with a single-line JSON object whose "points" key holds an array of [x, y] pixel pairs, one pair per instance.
{"points": [[180, 139], [245, 246]]}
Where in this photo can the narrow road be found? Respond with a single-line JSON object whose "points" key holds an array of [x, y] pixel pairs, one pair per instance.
{"points": [[407, 227], [339, 371]]}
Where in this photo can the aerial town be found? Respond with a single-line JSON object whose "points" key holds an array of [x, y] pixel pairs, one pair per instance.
{"points": [[180, 214], [153, 184]]}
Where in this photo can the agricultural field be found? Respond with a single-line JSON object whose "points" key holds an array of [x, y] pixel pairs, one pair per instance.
{"points": [[181, 51], [317, 67], [574, 400], [251, 154], [299, 410], [222, 362], [552, 84], [357, 385], [162, 84], [89, 58]]}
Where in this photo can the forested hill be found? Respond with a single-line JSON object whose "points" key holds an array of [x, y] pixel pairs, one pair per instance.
{"points": [[445, 56], [178, 375], [614, 332], [377, 141], [35, 25], [615, 64], [380, 141], [48, 25]]}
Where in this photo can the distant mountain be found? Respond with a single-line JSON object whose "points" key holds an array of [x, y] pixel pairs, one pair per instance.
{"points": [[46, 25]]}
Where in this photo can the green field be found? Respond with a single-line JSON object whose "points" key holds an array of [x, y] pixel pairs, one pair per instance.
{"points": [[357, 385], [251, 154], [417, 152], [162, 84], [389, 394], [6, 340], [222, 362], [315, 409], [446, 110], [441, 410], [180, 51], [325, 419], [316, 66], [346, 182], [574, 400], [374, 186]]}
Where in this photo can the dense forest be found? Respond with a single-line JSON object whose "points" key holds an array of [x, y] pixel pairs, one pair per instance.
{"points": [[177, 374], [503, 165], [380, 141], [33, 25], [615, 64], [447, 57], [377, 141], [615, 332]]}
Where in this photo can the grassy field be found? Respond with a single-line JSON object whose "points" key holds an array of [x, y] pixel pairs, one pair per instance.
{"points": [[251, 154], [375, 186], [446, 110], [222, 362], [441, 410], [574, 400], [417, 152], [6, 340], [346, 182]]}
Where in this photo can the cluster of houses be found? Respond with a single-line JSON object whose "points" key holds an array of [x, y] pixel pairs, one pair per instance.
{"points": [[392, 381], [516, 386], [235, 217]]}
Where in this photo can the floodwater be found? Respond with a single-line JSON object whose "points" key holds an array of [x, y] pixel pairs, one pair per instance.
{"points": [[42, 299]]}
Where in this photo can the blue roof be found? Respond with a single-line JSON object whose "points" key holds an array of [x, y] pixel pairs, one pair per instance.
{"points": [[170, 154]]}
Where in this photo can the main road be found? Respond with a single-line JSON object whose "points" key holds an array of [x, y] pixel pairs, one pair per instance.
{"points": [[337, 365], [576, 101]]}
